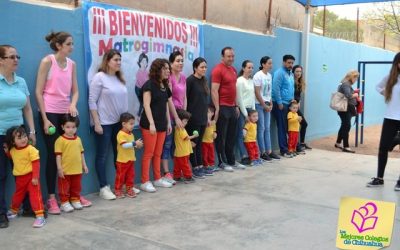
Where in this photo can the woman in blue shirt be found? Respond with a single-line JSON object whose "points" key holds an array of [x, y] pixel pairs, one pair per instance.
{"points": [[14, 106]]}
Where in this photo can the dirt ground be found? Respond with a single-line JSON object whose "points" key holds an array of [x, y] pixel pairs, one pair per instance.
{"points": [[369, 147]]}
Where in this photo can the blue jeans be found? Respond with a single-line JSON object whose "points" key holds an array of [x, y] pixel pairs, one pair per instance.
{"points": [[281, 123], [168, 148], [263, 129], [102, 150], [239, 134], [3, 177]]}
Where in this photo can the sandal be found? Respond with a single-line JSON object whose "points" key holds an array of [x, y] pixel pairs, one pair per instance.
{"points": [[348, 150]]}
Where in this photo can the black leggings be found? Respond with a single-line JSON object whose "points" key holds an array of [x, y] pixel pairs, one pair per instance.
{"points": [[389, 129], [196, 158], [344, 130], [303, 127], [51, 165]]}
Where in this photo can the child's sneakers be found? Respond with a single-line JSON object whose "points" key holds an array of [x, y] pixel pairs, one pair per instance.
{"points": [[39, 222], [85, 202], [119, 194], [168, 177], [198, 173], [11, 215], [77, 205], [130, 193], [52, 206], [208, 171], [189, 180], [67, 208], [137, 191]]}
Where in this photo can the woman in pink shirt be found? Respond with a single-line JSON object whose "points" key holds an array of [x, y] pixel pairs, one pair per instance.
{"points": [[177, 85], [56, 95]]}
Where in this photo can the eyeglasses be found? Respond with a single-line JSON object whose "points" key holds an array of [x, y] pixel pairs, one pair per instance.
{"points": [[13, 57]]}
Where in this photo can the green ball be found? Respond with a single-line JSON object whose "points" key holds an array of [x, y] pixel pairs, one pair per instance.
{"points": [[195, 132], [52, 130]]}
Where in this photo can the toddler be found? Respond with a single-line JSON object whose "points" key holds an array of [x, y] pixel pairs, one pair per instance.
{"points": [[250, 138], [26, 170], [126, 158], [293, 127], [207, 144]]}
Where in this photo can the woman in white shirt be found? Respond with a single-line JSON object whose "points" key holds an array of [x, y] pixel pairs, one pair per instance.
{"points": [[389, 87], [263, 92], [245, 100]]}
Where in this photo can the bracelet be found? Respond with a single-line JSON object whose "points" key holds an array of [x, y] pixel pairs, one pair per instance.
{"points": [[32, 132]]}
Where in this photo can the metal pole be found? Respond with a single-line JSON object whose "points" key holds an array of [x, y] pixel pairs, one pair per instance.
{"points": [[269, 16], [324, 22], [204, 10], [358, 86], [363, 100], [358, 24], [305, 38]]}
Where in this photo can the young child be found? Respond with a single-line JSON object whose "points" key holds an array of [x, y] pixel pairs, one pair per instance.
{"points": [[26, 170], [207, 144], [125, 163], [183, 149], [71, 163], [293, 127], [250, 138]]}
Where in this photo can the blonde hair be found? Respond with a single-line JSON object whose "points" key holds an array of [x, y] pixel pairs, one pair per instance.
{"points": [[350, 75]]}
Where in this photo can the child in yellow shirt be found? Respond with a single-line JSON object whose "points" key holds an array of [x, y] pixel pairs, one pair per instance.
{"points": [[207, 144], [293, 127], [183, 149], [26, 170], [70, 164], [250, 138], [126, 158]]}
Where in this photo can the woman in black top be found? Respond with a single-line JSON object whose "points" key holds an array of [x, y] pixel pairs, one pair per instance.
{"points": [[197, 92], [155, 122], [299, 87]]}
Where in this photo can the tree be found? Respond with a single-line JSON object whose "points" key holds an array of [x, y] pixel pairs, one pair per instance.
{"points": [[386, 16], [336, 27]]}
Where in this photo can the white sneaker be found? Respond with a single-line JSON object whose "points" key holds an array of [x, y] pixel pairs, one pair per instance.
{"points": [[147, 187], [162, 183], [137, 191], [77, 205], [239, 166], [228, 168], [66, 207], [106, 194]]}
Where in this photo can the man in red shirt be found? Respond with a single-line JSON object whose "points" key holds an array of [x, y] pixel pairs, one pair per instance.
{"points": [[223, 94]]}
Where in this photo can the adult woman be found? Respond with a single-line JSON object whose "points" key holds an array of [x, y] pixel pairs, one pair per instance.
{"points": [[299, 87], [197, 92], [56, 95], [108, 99], [263, 92], [345, 117], [177, 85], [155, 122], [245, 99], [389, 87], [14, 106]]}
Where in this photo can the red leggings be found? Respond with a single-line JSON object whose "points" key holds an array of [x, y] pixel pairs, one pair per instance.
{"points": [[125, 175], [292, 141], [153, 145], [207, 149], [252, 150], [23, 184], [69, 188], [181, 165]]}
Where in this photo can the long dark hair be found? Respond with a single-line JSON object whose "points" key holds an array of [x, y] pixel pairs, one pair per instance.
{"points": [[394, 74], [299, 84], [12, 133], [57, 37], [196, 64], [244, 64], [155, 71], [104, 63]]}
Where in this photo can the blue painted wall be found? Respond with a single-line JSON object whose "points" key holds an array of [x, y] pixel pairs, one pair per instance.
{"points": [[25, 27]]}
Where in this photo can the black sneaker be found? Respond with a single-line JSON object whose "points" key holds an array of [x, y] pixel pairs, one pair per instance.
{"points": [[397, 187], [245, 161], [300, 151], [3, 221], [198, 173], [274, 156], [376, 182], [189, 180], [287, 155], [306, 146], [266, 157]]}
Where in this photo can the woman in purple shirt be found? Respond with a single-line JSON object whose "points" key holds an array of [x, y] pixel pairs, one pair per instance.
{"points": [[108, 99]]}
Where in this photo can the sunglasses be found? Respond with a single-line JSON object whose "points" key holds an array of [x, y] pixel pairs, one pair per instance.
{"points": [[13, 57]]}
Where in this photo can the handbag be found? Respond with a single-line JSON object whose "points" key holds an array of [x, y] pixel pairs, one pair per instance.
{"points": [[338, 102]]}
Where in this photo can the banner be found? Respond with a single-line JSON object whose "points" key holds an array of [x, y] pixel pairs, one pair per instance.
{"points": [[141, 37]]}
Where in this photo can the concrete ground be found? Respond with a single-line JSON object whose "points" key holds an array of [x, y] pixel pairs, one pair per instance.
{"points": [[291, 204]]}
